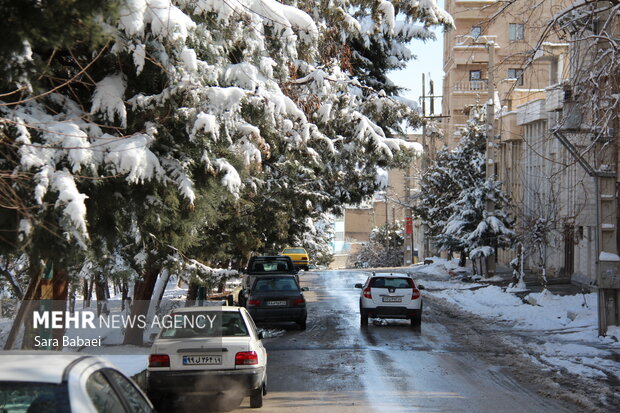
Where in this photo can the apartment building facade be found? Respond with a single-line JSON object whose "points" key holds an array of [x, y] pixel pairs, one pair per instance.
{"points": [[491, 54], [557, 154]]}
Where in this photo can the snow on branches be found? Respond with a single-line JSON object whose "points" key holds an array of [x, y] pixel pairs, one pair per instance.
{"points": [[455, 193], [235, 92]]}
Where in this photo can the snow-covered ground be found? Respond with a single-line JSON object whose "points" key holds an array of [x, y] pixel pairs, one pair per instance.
{"points": [[564, 328]]}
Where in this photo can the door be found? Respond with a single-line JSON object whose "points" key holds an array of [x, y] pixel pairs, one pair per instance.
{"points": [[569, 250]]}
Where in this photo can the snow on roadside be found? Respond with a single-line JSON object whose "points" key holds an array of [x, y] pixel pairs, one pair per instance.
{"points": [[566, 325]]}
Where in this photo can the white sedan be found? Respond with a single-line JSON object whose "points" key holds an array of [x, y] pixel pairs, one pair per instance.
{"points": [[209, 351], [390, 296], [55, 382]]}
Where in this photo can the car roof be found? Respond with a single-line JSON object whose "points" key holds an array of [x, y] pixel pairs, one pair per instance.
{"points": [[39, 366], [391, 275], [206, 308], [271, 257]]}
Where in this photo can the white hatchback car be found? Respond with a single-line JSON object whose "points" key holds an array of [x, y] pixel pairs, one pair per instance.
{"points": [[59, 382], [212, 351], [390, 296]]}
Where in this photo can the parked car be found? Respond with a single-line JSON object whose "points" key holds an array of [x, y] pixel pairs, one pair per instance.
{"points": [[390, 296], [224, 359], [264, 266], [277, 298], [54, 382], [299, 257]]}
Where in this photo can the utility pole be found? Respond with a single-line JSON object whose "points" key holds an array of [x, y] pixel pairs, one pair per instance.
{"points": [[490, 152], [408, 218], [425, 161]]}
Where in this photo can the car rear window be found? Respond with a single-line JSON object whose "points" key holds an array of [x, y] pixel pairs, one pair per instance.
{"points": [[270, 266], [33, 397], [390, 282], [227, 324], [294, 251], [275, 284]]}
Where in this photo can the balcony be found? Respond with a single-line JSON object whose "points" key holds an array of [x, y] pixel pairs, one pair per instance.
{"points": [[471, 86], [467, 40]]}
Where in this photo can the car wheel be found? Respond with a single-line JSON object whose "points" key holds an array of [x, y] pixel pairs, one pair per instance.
{"points": [[162, 402], [256, 398], [363, 318], [416, 320], [302, 324]]}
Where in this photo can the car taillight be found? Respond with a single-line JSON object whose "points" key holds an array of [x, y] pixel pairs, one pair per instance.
{"points": [[246, 358], [416, 294], [159, 360], [254, 303], [304, 258], [367, 293], [299, 301]]}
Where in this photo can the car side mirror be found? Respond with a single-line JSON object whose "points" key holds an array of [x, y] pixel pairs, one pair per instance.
{"points": [[359, 286], [260, 335], [421, 287], [305, 289]]}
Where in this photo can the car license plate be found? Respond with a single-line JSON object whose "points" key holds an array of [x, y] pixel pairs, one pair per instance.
{"points": [[279, 302], [201, 360], [392, 299]]}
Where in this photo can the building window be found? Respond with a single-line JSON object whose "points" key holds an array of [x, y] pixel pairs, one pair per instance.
{"points": [[516, 74], [515, 31], [475, 80], [474, 75], [475, 31]]}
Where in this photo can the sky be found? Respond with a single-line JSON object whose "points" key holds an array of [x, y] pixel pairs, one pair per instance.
{"points": [[429, 61]]}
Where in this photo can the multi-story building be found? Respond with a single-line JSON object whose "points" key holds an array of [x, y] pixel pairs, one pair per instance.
{"points": [[484, 32], [490, 54]]}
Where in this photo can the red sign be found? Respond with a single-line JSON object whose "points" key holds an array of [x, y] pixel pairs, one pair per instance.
{"points": [[408, 225]]}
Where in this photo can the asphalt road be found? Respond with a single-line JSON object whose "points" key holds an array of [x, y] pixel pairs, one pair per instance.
{"points": [[336, 366]]}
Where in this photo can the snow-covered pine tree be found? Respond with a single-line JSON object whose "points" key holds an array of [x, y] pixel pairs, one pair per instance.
{"points": [[385, 248], [172, 97], [452, 172], [470, 228]]}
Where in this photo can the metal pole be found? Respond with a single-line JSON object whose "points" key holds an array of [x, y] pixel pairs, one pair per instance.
{"points": [[602, 307], [425, 160], [490, 150], [408, 217]]}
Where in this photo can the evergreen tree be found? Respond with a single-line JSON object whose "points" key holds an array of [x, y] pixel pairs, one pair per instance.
{"points": [[173, 125], [386, 248], [454, 195]]}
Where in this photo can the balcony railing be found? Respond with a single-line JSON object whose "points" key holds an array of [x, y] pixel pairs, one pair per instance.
{"points": [[469, 40], [471, 85]]}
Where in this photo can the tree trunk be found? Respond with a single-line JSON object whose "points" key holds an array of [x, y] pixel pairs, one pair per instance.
{"points": [[25, 306], [163, 290], [51, 295], [124, 293], [100, 293], [143, 292], [463, 258], [60, 291], [17, 290], [192, 294]]}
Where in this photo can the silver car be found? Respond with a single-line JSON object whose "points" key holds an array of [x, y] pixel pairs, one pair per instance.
{"points": [[55, 382]]}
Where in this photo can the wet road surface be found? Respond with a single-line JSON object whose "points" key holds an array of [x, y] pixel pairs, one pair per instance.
{"points": [[336, 366]]}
